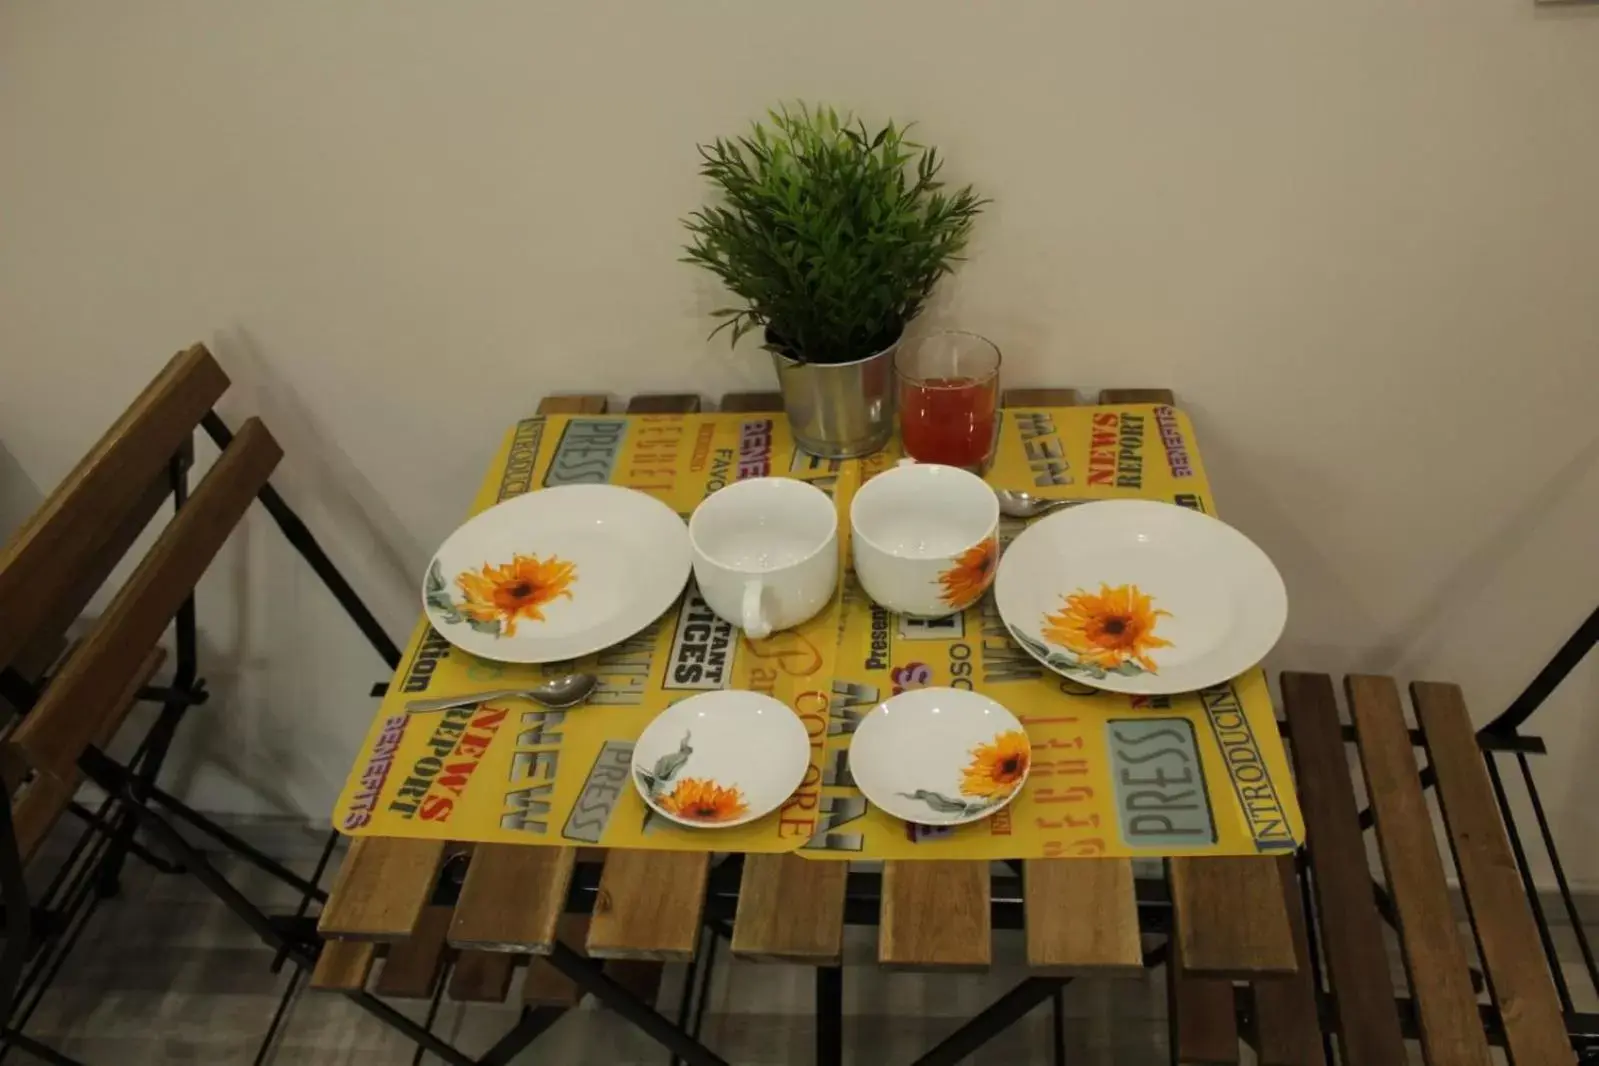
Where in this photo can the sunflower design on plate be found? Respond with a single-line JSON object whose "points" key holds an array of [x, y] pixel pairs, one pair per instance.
{"points": [[973, 572], [693, 799], [997, 770], [497, 596], [1112, 631], [699, 799]]}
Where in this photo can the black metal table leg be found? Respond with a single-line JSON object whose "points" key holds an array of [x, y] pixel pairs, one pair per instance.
{"points": [[829, 1015]]}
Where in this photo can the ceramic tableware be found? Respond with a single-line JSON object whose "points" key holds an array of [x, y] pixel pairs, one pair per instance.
{"points": [[1142, 597], [765, 553], [557, 574], [720, 759], [925, 538], [940, 756]]}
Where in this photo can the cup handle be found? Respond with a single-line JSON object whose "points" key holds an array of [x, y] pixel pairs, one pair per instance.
{"points": [[755, 623]]}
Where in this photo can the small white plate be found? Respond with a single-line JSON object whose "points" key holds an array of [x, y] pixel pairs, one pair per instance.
{"points": [[720, 759], [940, 756], [558, 573], [1140, 596]]}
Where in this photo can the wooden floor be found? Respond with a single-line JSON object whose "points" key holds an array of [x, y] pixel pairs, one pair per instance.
{"points": [[166, 975]]}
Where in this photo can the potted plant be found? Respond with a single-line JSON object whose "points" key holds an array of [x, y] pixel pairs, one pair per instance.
{"points": [[832, 237]]}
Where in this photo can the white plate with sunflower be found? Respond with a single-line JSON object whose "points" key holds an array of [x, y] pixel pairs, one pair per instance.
{"points": [[557, 574], [721, 759], [940, 756], [1141, 597]]}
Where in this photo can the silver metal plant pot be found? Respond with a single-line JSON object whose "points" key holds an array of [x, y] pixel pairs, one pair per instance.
{"points": [[839, 410]]}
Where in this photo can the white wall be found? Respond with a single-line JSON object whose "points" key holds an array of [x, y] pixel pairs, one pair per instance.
{"points": [[1360, 238]]}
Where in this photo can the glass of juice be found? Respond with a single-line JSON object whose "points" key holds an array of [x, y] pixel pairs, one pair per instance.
{"points": [[948, 398]]}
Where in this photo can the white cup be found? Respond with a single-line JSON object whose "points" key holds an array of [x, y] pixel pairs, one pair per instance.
{"points": [[765, 553], [925, 538]]}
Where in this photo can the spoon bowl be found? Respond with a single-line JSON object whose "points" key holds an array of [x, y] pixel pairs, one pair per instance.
{"points": [[1014, 503]]}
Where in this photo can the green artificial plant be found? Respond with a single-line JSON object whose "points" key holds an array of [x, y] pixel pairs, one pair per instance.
{"points": [[832, 236]]}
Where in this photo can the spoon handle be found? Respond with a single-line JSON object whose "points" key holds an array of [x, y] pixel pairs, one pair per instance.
{"points": [[444, 702]]}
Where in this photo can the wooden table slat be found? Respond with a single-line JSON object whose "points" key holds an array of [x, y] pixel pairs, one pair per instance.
{"points": [[413, 966], [482, 976], [1230, 916], [934, 915], [343, 966], [512, 898], [1165, 396], [752, 402], [649, 905], [791, 910], [1081, 917], [1205, 1021], [1287, 1026], [1351, 929], [545, 986], [1440, 981], [649, 902], [381, 888], [1040, 398], [1522, 988]]}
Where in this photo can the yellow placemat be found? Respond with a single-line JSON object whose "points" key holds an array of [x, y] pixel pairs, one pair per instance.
{"points": [[1112, 775]]}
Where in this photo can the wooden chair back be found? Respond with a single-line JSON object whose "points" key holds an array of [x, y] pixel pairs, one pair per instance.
{"points": [[56, 562]]}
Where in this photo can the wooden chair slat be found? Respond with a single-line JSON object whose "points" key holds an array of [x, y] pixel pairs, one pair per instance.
{"points": [[1517, 973], [1165, 396], [1081, 917], [1446, 1005], [1287, 1026], [343, 966], [52, 620], [46, 559], [482, 976], [1230, 916], [639, 977], [413, 966], [934, 915], [791, 910], [649, 905], [545, 986], [1040, 398], [1204, 1018], [512, 898], [71, 711], [41, 804], [1352, 940], [382, 886]]}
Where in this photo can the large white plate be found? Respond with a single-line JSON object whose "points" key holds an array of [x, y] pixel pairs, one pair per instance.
{"points": [[940, 756], [1139, 596], [721, 759], [558, 573]]}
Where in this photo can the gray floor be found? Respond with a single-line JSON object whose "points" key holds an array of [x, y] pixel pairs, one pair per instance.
{"points": [[167, 975]]}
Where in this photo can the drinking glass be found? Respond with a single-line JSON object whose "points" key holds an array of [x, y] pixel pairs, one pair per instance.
{"points": [[948, 398]]}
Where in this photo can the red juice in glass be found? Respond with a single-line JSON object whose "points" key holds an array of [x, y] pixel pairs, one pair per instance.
{"points": [[948, 398]]}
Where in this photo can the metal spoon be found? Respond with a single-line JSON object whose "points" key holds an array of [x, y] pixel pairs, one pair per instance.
{"points": [[1016, 504], [558, 692]]}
